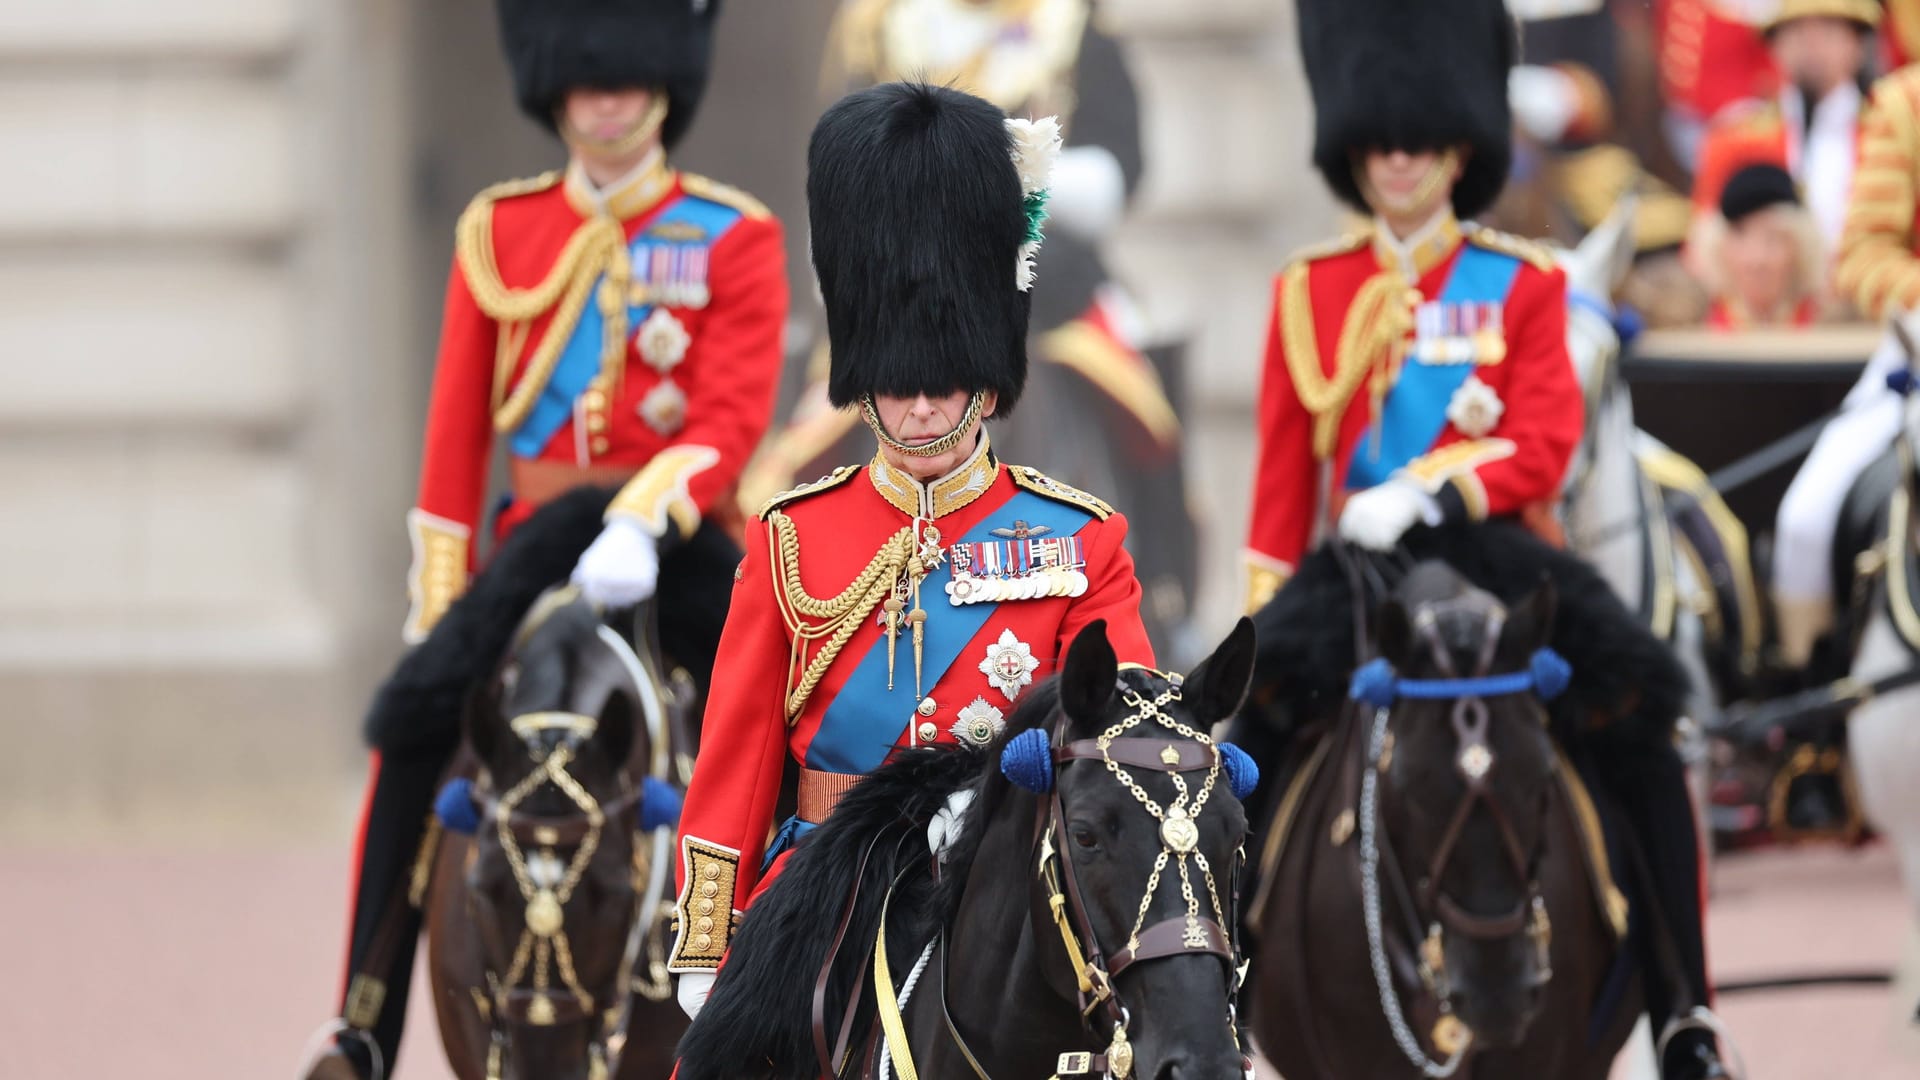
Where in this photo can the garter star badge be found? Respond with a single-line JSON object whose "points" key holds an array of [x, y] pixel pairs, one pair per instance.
{"points": [[1009, 665], [979, 723]]}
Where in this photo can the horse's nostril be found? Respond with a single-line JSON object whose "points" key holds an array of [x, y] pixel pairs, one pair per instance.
{"points": [[1170, 1071]]}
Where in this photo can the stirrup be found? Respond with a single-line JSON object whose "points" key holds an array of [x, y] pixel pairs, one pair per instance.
{"points": [[318, 1042], [1701, 1018]]}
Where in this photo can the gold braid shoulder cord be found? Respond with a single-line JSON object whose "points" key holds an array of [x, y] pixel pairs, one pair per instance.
{"points": [[838, 617], [598, 247], [1372, 340]]}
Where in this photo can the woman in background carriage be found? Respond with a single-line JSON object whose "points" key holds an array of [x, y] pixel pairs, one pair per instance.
{"points": [[1416, 373]]}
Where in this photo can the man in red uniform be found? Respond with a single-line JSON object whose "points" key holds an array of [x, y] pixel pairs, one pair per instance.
{"points": [[617, 323], [1810, 128], [1416, 372], [914, 599]]}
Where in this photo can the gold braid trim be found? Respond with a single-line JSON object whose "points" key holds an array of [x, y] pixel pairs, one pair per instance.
{"points": [[597, 247], [1372, 339], [838, 617]]}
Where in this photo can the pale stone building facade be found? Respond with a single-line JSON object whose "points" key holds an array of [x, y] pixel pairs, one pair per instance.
{"points": [[224, 228]]}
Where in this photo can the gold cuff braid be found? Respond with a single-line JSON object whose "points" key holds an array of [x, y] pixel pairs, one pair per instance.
{"points": [[1263, 581], [659, 494], [439, 572], [705, 909]]}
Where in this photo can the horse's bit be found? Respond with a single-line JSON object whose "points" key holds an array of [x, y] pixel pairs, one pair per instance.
{"points": [[1376, 684]]}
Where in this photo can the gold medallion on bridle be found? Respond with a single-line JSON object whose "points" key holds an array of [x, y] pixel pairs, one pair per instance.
{"points": [[544, 917], [1450, 1035], [1179, 832]]}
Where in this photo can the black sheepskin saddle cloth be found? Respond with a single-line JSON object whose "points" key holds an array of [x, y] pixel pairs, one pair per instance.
{"points": [[1626, 683], [758, 1022]]}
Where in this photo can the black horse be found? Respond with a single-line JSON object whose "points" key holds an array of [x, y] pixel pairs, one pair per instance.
{"points": [[1080, 924], [1612, 728], [545, 922]]}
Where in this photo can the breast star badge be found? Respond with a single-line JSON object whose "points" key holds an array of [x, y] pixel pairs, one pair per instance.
{"points": [[1009, 665], [979, 723]]}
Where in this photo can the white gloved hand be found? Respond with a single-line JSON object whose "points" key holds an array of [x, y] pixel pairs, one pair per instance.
{"points": [[944, 830], [621, 567], [1544, 100], [1087, 193], [1378, 517], [693, 990]]}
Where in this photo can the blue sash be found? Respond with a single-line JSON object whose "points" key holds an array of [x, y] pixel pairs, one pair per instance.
{"points": [[659, 265], [865, 722], [1415, 412]]}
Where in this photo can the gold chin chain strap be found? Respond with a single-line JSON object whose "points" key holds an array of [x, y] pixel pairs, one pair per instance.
{"points": [[890, 583], [543, 939], [1179, 833]]}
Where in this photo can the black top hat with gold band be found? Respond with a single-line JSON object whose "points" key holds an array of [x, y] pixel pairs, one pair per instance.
{"points": [[555, 46], [1863, 13], [924, 205]]}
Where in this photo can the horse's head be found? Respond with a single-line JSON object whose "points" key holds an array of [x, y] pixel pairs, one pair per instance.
{"points": [[1461, 768], [551, 873], [1142, 850]]}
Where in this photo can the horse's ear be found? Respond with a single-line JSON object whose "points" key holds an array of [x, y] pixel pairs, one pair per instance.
{"points": [[1393, 633], [1087, 678], [615, 733], [1530, 623], [1218, 686]]}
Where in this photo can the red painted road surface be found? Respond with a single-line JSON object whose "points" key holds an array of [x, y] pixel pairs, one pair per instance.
{"points": [[217, 961]]}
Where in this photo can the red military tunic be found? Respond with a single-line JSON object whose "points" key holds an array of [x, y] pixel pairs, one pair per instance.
{"points": [[1711, 57], [1485, 372], [604, 335], [1011, 543]]}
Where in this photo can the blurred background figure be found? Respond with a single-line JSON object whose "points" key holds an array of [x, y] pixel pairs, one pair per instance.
{"points": [[1810, 127], [1710, 58], [1762, 254]]}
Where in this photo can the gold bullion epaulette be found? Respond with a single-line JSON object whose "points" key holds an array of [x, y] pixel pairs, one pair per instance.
{"points": [[1047, 487], [1532, 252], [1339, 245], [826, 483], [724, 194], [509, 189]]}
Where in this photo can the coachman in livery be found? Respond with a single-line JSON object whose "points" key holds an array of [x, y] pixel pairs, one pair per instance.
{"points": [[913, 600], [616, 324], [1417, 375]]}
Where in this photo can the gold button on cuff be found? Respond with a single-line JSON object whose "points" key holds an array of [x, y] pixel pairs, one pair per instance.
{"points": [[703, 926], [710, 872], [709, 889], [703, 942], [703, 907]]}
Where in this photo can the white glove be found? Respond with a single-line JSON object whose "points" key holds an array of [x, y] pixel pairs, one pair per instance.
{"points": [[693, 991], [1087, 193], [621, 567], [944, 830], [1544, 100], [1378, 517]]}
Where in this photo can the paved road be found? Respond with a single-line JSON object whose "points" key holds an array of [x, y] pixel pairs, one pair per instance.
{"points": [[216, 962]]}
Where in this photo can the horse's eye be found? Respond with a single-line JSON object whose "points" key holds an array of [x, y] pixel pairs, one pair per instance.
{"points": [[1084, 838]]}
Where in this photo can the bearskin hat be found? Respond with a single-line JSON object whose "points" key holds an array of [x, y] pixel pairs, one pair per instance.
{"points": [[554, 46], [916, 212], [1410, 75]]}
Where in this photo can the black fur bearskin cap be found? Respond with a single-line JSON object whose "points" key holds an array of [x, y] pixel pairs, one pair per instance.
{"points": [[555, 46], [1410, 75], [915, 209]]}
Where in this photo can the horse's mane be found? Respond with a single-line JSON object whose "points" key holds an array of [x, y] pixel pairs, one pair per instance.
{"points": [[416, 712], [1620, 670], [758, 1022]]}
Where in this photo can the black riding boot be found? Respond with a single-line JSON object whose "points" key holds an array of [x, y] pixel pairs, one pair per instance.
{"points": [[1648, 783], [375, 1001]]}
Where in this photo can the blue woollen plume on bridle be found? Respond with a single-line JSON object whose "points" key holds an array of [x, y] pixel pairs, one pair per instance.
{"points": [[1377, 684], [459, 812], [1027, 761]]}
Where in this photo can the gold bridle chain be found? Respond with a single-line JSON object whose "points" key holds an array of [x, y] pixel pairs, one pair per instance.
{"points": [[554, 947], [1143, 709]]}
